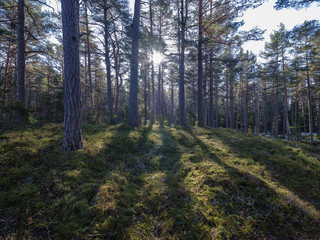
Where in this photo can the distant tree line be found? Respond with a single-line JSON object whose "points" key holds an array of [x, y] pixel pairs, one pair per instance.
{"points": [[102, 69]]}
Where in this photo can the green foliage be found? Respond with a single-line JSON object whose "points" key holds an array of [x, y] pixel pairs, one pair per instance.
{"points": [[157, 183]]}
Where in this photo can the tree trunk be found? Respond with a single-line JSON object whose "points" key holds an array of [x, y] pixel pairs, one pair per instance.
{"points": [[227, 99], [245, 110], [216, 101], [72, 134], [265, 106], [276, 102], [153, 109], [200, 70], [144, 74], [159, 108], [231, 100], [285, 110], [133, 98], [257, 110], [309, 98], [182, 111], [89, 57], [211, 113], [108, 65], [21, 92]]}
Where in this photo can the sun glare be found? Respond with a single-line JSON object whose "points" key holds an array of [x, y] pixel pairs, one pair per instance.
{"points": [[157, 58]]}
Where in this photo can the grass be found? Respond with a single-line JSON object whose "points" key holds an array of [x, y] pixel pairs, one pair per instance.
{"points": [[157, 183]]}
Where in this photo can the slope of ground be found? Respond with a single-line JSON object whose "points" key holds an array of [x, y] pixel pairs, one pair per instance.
{"points": [[157, 183]]}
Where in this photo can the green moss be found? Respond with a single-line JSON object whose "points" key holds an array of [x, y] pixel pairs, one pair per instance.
{"points": [[157, 183]]}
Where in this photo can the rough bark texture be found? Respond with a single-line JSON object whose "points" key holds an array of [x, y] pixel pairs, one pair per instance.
{"points": [[107, 60], [89, 56], [182, 111], [21, 57], [133, 98], [276, 102], [72, 134], [286, 127], [153, 108], [200, 70], [211, 113]]}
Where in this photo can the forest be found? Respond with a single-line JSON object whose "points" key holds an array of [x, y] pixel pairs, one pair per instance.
{"points": [[156, 123]]}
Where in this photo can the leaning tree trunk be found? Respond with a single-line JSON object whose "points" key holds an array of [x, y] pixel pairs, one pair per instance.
{"points": [[72, 134], [21, 58], [133, 98]]}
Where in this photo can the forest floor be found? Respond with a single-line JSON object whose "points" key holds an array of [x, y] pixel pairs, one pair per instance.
{"points": [[157, 183]]}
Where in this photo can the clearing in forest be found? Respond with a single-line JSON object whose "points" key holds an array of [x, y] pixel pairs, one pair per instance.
{"points": [[157, 183]]}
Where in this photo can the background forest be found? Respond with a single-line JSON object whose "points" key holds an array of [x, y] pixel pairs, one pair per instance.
{"points": [[191, 48]]}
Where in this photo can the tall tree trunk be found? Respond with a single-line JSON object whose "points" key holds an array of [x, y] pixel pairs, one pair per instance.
{"points": [[144, 74], [216, 101], [211, 113], [309, 98], [257, 110], [285, 110], [133, 98], [318, 114], [200, 69], [245, 110], [108, 64], [21, 58], [89, 56], [276, 101], [172, 121], [227, 99], [153, 109], [265, 106], [159, 107], [6, 69], [182, 111], [231, 100], [72, 133]]}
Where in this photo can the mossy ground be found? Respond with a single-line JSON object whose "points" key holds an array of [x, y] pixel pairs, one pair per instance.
{"points": [[157, 183]]}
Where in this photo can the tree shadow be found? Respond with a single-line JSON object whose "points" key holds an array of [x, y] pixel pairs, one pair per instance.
{"points": [[287, 162], [148, 183], [303, 213]]}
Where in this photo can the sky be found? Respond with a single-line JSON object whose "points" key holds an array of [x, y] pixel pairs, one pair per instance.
{"points": [[266, 17]]}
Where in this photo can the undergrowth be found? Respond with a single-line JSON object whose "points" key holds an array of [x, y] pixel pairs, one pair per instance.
{"points": [[157, 183]]}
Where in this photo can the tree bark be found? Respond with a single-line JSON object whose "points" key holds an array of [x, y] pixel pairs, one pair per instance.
{"points": [[89, 57], [72, 133], [276, 101], [309, 98], [285, 110], [133, 98], [211, 113], [108, 64], [153, 108], [182, 111], [200, 69], [21, 92]]}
